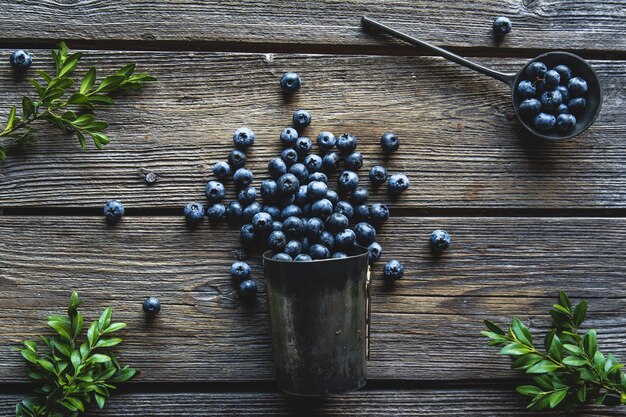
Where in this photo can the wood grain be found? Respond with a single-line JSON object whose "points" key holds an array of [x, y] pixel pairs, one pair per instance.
{"points": [[425, 327], [542, 24], [461, 144], [487, 401]]}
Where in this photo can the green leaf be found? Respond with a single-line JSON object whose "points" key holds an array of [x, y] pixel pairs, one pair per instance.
{"points": [[32, 346], [543, 367], [44, 75], [573, 348], [575, 361], [68, 405], [61, 328], [40, 90], [521, 332], [565, 302], [3, 153], [100, 400], [494, 328], [77, 98], [84, 350], [101, 99], [47, 365], [526, 361], [590, 343], [580, 312], [561, 309], [127, 70], [88, 80], [110, 83], [30, 356], [113, 327], [105, 318], [83, 120], [555, 348], [601, 398], [96, 126], [104, 342], [69, 65], [10, 120], [557, 397], [124, 374], [529, 390], [99, 139], [76, 359], [69, 116], [81, 139], [99, 358], [92, 333], [514, 349], [52, 94], [582, 394], [61, 347], [76, 403], [62, 83], [27, 107], [598, 361], [77, 325]]}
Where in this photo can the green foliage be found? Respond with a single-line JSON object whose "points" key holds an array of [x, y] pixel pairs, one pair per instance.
{"points": [[73, 113], [73, 374], [570, 370]]}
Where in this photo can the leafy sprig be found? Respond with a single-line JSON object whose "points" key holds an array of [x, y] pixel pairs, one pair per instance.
{"points": [[571, 371], [71, 113], [73, 374]]}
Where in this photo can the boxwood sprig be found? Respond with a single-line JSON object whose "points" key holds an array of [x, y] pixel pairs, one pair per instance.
{"points": [[73, 374], [571, 371], [70, 112]]}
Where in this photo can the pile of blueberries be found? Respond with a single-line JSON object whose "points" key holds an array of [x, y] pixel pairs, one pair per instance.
{"points": [[552, 98]]}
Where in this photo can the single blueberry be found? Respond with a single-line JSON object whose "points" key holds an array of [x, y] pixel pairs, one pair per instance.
{"points": [[269, 190], [234, 211], [345, 208], [303, 257], [277, 225], [390, 142], [282, 257], [285, 200], [289, 136], [501, 26], [326, 141], [563, 108], [20, 60], [564, 92], [337, 222], [194, 212], [288, 184], [313, 163], [247, 288], [552, 79], [243, 138], [330, 161], [361, 212], [440, 240], [347, 181], [237, 159], [398, 183], [318, 176], [354, 161], [327, 239], [293, 248], [151, 305], [247, 196], [318, 251], [293, 227], [530, 107], [345, 239], [276, 167], [216, 212], [301, 119], [221, 170], [565, 122], [272, 211], [277, 240], [289, 156], [577, 87], [378, 174], [242, 178], [113, 210], [303, 145], [536, 70], [317, 190], [306, 244], [526, 89], [365, 233], [248, 236], [322, 208], [379, 213], [374, 251], [300, 171], [240, 271], [565, 73], [359, 195], [262, 222], [577, 105], [290, 82], [393, 269], [332, 196], [337, 255], [214, 191], [313, 228], [550, 100], [544, 121], [250, 211], [290, 210], [346, 143], [302, 196], [540, 85]]}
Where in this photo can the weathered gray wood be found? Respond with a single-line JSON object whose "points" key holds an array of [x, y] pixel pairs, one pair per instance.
{"points": [[426, 326], [461, 144], [587, 24]]}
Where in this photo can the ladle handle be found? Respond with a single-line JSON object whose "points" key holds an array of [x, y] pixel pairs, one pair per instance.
{"points": [[366, 22]]}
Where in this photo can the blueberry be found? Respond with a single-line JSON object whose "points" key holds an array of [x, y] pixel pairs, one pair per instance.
{"points": [[374, 252], [301, 119], [544, 121], [318, 251], [326, 141], [332, 196], [302, 195], [289, 156], [234, 211], [151, 305], [501, 26], [564, 73], [313, 228], [550, 100], [398, 183], [303, 145], [293, 227], [290, 210], [577, 87], [300, 172], [276, 167], [536, 70], [337, 222], [354, 161], [247, 288], [330, 161], [194, 212], [269, 190], [526, 89], [305, 242], [262, 222], [540, 85], [282, 257], [359, 195], [393, 269], [293, 248], [565, 122], [214, 191], [564, 92], [221, 170], [277, 225], [248, 235], [338, 255], [378, 174], [243, 138], [347, 181], [317, 190], [237, 159], [313, 163], [290, 82], [379, 213], [346, 143], [240, 271], [552, 79], [327, 239], [361, 212], [322, 208], [242, 178], [345, 208], [289, 136], [440, 240], [365, 233], [250, 211], [216, 212], [389, 142], [272, 211], [113, 210], [318, 176], [288, 184], [247, 196], [277, 240], [345, 239], [563, 108], [20, 60], [577, 105], [303, 257], [530, 107]]}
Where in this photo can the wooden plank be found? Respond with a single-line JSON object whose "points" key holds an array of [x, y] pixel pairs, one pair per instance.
{"points": [[461, 144], [588, 24], [425, 327], [486, 401]]}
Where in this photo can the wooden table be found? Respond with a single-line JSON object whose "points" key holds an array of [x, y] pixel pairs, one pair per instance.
{"points": [[528, 218]]}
